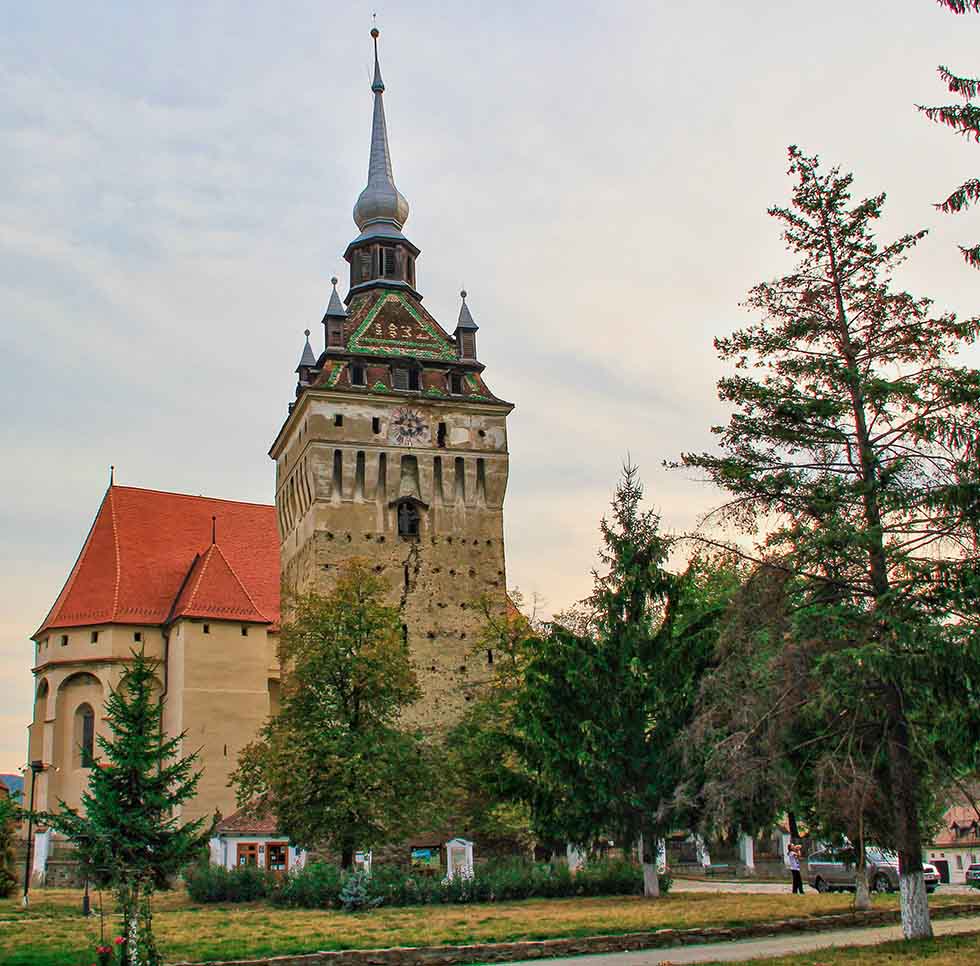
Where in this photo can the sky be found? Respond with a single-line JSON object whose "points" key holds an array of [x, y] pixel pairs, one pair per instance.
{"points": [[176, 185]]}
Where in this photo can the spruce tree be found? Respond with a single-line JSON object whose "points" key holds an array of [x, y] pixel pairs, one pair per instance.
{"points": [[964, 119], [127, 834], [853, 445], [603, 704]]}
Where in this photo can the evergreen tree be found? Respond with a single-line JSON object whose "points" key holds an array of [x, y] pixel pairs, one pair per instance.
{"points": [[9, 815], [603, 704], [126, 833], [335, 765], [853, 442], [964, 119]]}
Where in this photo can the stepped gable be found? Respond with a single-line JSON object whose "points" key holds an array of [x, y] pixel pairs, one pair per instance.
{"points": [[140, 551]]}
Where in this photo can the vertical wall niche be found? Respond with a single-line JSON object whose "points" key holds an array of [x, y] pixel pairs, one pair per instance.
{"points": [[408, 485], [359, 476], [382, 488], [437, 493], [459, 494], [481, 480], [338, 475]]}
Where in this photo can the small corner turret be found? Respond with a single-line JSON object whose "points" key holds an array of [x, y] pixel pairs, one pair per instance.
{"points": [[465, 334]]}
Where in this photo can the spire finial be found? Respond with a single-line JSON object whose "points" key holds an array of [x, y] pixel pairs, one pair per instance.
{"points": [[214, 530], [112, 475], [377, 85], [380, 202]]}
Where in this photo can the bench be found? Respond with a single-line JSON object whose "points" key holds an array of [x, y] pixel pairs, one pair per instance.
{"points": [[720, 869]]}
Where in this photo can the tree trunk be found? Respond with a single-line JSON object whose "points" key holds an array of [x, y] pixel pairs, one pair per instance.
{"points": [[347, 858], [862, 895], [915, 903], [648, 859], [904, 782], [794, 831]]}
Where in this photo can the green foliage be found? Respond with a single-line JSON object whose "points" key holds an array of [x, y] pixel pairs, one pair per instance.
{"points": [[318, 885], [336, 764], [963, 119], [852, 443], [355, 896], [215, 883], [605, 699], [126, 833], [9, 816]]}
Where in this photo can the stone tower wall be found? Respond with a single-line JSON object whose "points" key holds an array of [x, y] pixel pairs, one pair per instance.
{"points": [[337, 481]]}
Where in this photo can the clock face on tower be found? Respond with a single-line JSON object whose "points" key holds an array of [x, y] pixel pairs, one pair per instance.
{"points": [[408, 427]]}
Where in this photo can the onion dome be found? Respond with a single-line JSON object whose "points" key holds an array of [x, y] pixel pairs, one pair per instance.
{"points": [[380, 203]]}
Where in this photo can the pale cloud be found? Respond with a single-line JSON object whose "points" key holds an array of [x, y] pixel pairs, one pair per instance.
{"points": [[175, 192]]}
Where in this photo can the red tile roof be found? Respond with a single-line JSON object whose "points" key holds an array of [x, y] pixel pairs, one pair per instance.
{"points": [[243, 822], [961, 828], [149, 558]]}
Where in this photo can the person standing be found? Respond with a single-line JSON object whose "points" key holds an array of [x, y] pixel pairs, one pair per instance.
{"points": [[793, 855]]}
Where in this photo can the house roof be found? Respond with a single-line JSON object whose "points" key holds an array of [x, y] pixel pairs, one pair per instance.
{"points": [[152, 556], [961, 827], [243, 823]]}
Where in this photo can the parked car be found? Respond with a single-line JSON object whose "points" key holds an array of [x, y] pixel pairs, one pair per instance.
{"points": [[834, 868], [973, 875]]}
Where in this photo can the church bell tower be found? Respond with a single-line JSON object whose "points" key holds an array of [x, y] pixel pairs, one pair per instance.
{"points": [[395, 451]]}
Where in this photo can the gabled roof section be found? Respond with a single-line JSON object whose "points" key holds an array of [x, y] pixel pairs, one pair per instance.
{"points": [[391, 323], [212, 589], [137, 557], [246, 822]]}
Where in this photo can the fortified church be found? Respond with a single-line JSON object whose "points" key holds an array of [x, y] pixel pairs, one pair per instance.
{"points": [[394, 450]]}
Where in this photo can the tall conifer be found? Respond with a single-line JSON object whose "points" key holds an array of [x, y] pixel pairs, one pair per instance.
{"points": [[853, 443], [127, 834]]}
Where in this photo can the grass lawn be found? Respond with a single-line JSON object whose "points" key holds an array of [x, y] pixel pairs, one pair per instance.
{"points": [[54, 933], [947, 951]]}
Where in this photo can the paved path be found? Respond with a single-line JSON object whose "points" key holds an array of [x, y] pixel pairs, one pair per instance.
{"points": [[750, 885], [747, 949]]}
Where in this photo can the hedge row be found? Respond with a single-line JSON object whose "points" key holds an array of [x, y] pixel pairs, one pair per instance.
{"points": [[319, 885]]}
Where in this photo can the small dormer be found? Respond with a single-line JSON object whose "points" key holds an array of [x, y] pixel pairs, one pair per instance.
{"points": [[333, 321], [465, 333]]}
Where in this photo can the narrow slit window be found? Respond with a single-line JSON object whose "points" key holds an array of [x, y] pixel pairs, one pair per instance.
{"points": [[456, 384], [206, 628], [137, 636], [357, 376], [87, 737], [244, 631], [388, 263], [64, 640], [376, 425], [95, 637], [338, 419], [441, 435]]}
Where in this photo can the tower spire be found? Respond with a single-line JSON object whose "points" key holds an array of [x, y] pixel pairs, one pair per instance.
{"points": [[380, 203]]}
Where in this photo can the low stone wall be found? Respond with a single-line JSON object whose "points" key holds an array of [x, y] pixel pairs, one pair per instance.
{"points": [[589, 945]]}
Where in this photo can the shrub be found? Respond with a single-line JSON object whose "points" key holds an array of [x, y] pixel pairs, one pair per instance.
{"points": [[214, 883], [355, 894], [320, 886], [316, 885]]}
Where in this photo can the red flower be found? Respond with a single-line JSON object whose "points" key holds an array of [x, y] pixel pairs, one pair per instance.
{"points": [[103, 949], [119, 940]]}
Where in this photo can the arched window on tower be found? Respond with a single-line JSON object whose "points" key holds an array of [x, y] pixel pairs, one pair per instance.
{"points": [[85, 735], [408, 519]]}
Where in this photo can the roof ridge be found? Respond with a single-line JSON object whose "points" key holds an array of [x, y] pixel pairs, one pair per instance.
{"points": [[73, 573], [115, 543], [191, 496], [234, 573], [204, 560]]}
